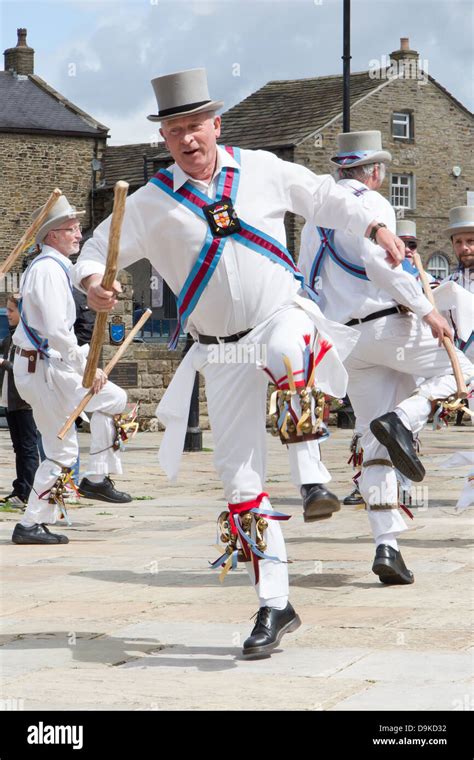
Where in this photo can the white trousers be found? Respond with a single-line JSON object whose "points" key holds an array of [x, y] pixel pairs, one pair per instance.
{"points": [[53, 394], [390, 352], [237, 405]]}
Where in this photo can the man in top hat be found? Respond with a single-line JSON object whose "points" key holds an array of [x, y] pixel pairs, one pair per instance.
{"points": [[48, 369], [212, 225], [400, 336]]}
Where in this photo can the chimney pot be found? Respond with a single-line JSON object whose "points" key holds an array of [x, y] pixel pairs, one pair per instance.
{"points": [[404, 53], [20, 59]]}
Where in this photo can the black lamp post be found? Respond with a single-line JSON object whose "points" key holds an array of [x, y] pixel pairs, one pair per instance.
{"points": [[193, 440], [346, 71]]}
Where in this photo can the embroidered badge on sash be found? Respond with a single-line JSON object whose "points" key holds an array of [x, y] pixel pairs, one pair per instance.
{"points": [[222, 218]]}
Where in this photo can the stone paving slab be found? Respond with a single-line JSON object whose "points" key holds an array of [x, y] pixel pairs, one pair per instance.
{"points": [[129, 616], [431, 667], [387, 697]]}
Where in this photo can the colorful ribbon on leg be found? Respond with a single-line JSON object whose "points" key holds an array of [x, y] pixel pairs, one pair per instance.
{"points": [[236, 524]]}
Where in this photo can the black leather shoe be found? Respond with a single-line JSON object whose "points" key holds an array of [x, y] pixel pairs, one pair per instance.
{"points": [[104, 491], [37, 534], [354, 498], [398, 440], [318, 502], [390, 567], [270, 626]]}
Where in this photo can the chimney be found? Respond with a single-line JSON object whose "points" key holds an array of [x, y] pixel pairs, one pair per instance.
{"points": [[20, 59], [404, 53]]}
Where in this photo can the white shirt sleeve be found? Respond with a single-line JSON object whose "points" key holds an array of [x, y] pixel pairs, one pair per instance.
{"points": [[309, 244], [400, 285], [319, 200]]}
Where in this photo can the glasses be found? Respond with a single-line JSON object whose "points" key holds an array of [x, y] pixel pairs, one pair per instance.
{"points": [[76, 228], [412, 245]]}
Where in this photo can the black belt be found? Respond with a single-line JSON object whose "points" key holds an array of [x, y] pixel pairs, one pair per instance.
{"points": [[208, 339], [376, 315]]}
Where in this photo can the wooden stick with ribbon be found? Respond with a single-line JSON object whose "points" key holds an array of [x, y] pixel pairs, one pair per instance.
{"points": [[120, 195], [461, 390], [28, 237], [108, 369]]}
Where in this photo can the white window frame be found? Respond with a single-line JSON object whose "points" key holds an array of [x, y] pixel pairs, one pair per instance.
{"points": [[438, 266], [404, 119], [410, 185]]}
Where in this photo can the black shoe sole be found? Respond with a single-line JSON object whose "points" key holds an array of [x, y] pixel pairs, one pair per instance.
{"points": [[408, 465], [353, 502], [265, 649], [100, 497], [28, 541], [388, 575], [320, 509]]}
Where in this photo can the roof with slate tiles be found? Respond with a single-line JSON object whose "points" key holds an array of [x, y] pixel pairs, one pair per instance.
{"points": [[28, 104]]}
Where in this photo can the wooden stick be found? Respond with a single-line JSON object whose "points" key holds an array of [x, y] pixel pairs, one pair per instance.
{"points": [[120, 195], [108, 369], [30, 233], [461, 390]]}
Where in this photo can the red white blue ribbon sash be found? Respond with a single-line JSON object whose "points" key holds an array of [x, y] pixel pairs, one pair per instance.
{"points": [[328, 248], [211, 252]]}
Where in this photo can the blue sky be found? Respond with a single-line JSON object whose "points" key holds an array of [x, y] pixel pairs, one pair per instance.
{"points": [[101, 54]]}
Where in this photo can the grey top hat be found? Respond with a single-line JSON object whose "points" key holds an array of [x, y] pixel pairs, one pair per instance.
{"points": [[359, 148], [406, 228], [59, 213], [182, 93], [461, 219]]}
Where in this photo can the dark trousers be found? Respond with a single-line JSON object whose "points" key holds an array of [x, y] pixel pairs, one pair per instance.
{"points": [[23, 434]]}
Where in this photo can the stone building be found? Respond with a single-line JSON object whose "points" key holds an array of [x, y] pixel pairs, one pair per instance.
{"points": [[45, 142]]}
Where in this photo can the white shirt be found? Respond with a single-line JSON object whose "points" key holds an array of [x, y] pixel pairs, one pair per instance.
{"points": [[246, 287], [344, 296], [48, 307]]}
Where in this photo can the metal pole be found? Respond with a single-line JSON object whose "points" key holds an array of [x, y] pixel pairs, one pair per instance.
{"points": [[346, 71], [193, 440]]}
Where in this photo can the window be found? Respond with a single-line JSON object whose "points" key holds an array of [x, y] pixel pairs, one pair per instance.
{"points": [[401, 125], [438, 266], [402, 191]]}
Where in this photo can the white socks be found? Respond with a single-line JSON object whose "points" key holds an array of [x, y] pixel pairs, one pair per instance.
{"points": [[389, 539], [414, 412], [96, 478], [277, 602]]}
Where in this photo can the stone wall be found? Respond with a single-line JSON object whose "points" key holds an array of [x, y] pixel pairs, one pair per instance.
{"points": [[31, 166], [443, 138]]}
